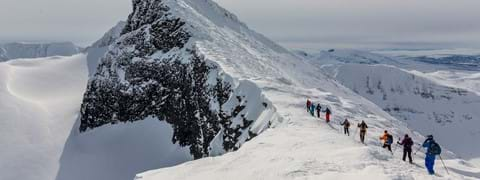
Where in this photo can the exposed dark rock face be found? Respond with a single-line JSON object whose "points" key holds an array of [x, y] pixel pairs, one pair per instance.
{"points": [[153, 71]]}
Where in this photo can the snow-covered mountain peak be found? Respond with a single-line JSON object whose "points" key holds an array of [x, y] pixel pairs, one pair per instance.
{"points": [[202, 18], [159, 69], [98, 49], [110, 36]]}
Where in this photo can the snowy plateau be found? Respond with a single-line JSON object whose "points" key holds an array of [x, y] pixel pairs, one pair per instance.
{"points": [[184, 90]]}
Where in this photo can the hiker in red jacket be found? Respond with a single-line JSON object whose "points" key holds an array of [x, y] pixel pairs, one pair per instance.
{"points": [[327, 114], [309, 103]]}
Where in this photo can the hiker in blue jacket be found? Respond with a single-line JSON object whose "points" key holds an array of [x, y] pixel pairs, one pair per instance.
{"points": [[312, 109], [433, 149]]}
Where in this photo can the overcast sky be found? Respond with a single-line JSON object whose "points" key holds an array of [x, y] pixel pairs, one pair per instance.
{"points": [[295, 23]]}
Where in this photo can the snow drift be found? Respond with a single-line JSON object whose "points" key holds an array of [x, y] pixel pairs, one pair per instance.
{"points": [[39, 104]]}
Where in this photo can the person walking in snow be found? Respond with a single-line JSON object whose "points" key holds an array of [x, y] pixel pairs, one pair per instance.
{"points": [[309, 103], [433, 149], [407, 143], [387, 140], [327, 114], [363, 131], [319, 109], [312, 109], [346, 127]]}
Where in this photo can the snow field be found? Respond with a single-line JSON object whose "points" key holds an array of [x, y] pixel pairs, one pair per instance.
{"points": [[305, 148], [39, 105]]}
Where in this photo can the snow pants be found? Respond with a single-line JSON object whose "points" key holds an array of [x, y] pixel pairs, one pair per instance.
{"points": [[409, 153], [388, 146], [346, 131], [430, 163], [362, 135]]}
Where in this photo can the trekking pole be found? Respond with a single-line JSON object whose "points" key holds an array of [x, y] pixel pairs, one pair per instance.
{"points": [[417, 149], [444, 164], [396, 147]]}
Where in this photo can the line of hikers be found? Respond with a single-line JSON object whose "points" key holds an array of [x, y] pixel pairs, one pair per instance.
{"points": [[433, 149], [311, 108]]}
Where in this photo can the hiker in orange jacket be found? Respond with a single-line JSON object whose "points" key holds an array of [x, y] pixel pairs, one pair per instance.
{"points": [[387, 140]]}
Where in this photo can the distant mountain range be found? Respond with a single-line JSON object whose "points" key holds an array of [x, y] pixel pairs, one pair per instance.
{"points": [[33, 50]]}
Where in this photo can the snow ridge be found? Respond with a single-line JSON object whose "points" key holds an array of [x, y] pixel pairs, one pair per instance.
{"points": [[155, 70], [98, 49]]}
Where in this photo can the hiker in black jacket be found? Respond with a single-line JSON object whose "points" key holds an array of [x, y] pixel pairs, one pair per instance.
{"points": [[346, 127], [319, 109], [363, 131], [407, 143]]}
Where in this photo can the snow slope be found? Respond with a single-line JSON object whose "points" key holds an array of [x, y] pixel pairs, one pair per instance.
{"points": [[304, 148], [31, 50], [39, 105], [462, 79], [39, 128], [425, 102], [426, 106], [308, 148], [271, 82]]}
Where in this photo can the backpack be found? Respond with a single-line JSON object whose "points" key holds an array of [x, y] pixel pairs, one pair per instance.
{"points": [[434, 148], [389, 139], [408, 143], [363, 126]]}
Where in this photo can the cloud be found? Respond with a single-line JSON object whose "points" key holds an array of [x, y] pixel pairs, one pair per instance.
{"points": [[321, 22]]}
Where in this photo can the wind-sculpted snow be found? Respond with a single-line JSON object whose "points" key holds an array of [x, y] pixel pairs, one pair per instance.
{"points": [[39, 104], [30, 50], [155, 70]]}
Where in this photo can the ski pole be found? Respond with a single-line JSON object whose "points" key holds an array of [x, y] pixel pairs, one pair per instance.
{"points": [[417, 149], [444, 164], [396, 147]]}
